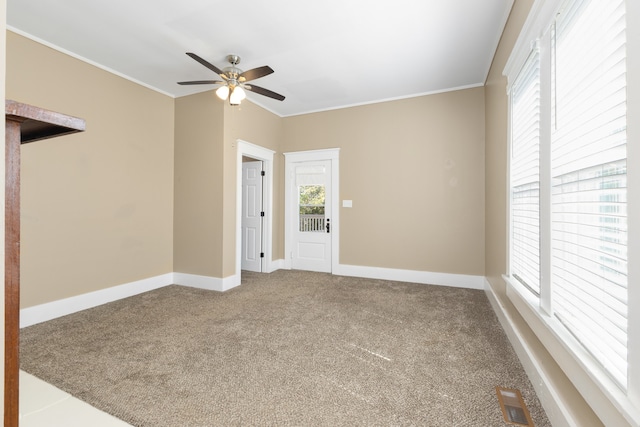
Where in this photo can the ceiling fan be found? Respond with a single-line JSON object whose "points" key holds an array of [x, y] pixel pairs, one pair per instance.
{"points": [[234, 80]]}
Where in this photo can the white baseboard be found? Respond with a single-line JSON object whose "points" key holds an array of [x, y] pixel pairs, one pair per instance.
{"points": [[549, 397], [206, 282], [413, 276], [51, 310], [43, 312], [276, 264]]}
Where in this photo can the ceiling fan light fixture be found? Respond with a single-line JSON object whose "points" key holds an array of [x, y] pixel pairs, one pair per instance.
{"points": [[233, 78], [223, 92], [237, 95]]}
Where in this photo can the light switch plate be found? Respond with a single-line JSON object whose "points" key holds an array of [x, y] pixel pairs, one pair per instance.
{"points": [[347, 203]]}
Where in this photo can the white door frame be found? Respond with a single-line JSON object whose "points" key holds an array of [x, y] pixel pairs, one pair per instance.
{"points": [[266, 156], [290, 200]]}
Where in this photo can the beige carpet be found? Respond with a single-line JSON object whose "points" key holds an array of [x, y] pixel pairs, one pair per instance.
{"points": [[289, 348]]}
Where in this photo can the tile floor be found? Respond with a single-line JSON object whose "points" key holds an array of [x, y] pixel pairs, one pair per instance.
{"points": [[42, 404]]}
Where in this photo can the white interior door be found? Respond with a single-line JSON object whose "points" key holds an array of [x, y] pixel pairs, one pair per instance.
{"points": [[312, 217], [252, 216]]}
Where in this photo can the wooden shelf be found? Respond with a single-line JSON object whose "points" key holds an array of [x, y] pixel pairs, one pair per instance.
{"points": [[23, 123], [37, 124]]}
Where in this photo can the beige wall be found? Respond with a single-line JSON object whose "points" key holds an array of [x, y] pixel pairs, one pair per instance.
{"points": [[101, 204], [97, 206], [414, 169], [198, 185], [206, 137], [496, 110], [251, 123], [417, 180]]}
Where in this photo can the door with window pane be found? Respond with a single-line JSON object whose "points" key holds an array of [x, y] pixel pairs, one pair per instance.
{"points": [[312, 234]]}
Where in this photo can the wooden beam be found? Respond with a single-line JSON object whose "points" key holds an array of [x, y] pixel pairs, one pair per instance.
{"points": [[12, 273]]}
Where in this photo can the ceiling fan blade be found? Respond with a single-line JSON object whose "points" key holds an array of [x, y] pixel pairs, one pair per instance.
{"points": [[208, 65], [202, 82], [265, 92], [255, 73]]}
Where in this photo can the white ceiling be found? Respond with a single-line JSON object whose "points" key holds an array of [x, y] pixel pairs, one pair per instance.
{"points": [[326, 54]]}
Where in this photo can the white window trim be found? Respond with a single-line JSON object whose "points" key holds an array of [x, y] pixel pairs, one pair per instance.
{"points": [[604, 396], [609, 402], [633, 195]]}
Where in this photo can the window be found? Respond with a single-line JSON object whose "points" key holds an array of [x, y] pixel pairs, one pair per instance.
{"points": [[568, 220], [588, 174], [311, 204], [525, 175], [310, 182]]}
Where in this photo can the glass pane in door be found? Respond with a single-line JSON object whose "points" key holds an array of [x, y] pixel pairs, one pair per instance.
{"points": [[311, 200]]}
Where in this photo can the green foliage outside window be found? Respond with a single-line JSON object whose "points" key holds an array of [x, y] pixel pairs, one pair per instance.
{"points": [[312, 199]]}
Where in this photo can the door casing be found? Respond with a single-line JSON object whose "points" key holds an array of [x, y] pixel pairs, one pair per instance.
{"points": [[248, 149]]}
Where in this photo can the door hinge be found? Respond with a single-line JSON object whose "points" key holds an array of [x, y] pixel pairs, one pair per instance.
{"points": [[262, 173], [261, 213], [261, 254]]}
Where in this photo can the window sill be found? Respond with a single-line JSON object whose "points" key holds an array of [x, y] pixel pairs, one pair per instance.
{"points": [[607, 399]]}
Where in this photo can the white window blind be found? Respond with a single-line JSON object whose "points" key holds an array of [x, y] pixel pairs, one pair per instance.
{"points": [[525, 175], [310, 175], [588, 172]]}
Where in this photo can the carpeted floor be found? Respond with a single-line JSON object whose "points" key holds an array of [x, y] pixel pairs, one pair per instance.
{"points": [[289, 348]]}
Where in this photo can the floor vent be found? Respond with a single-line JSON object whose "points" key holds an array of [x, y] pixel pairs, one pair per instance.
{"points": [[513, 408]]}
